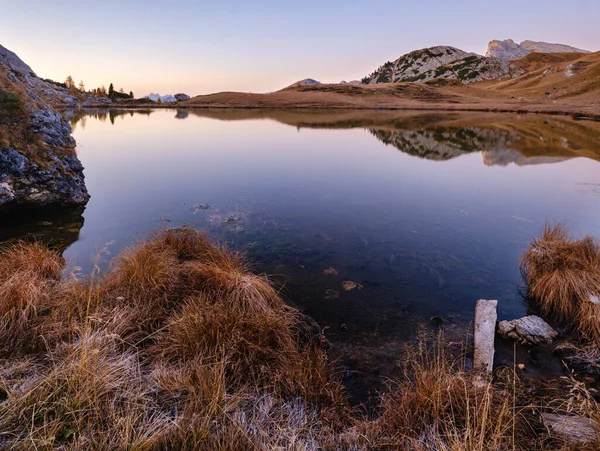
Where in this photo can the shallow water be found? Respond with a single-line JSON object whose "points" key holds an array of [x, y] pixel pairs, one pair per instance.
{"points": [[426, 212]]}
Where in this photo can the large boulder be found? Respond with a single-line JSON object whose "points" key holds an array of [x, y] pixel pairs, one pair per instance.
{"points": [[38, 164], [530, 330]]}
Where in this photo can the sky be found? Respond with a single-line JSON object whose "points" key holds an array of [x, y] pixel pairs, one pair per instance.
{"points": [[199, 47]]}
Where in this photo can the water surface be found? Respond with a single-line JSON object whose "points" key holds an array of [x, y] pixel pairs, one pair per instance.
{"points": [[426, 212]]}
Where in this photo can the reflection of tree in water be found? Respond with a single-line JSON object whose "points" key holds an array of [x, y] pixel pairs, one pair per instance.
{"points": [[79, 117], [442, 143], [59, 228]]}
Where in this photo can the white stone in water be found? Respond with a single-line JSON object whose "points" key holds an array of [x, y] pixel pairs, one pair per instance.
{"points": [[485, 327], [531, 330]]}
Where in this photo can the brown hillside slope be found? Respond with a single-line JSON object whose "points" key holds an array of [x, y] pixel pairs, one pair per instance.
{"points": [[556, 76], [554, 83]]}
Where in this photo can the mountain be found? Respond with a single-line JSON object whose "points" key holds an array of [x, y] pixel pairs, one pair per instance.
{"points": [[508, 49], [442, 62], [305, 82], [164, 99], [38, 164], [411, 66]]}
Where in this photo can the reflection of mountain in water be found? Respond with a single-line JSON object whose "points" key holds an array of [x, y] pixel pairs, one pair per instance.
{"points": [[501, 138], [504, 157], [58, 228], [442, 143]]}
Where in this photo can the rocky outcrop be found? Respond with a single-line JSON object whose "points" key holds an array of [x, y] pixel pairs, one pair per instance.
{"points": [[530, 330], [181, 97], [509, 50], [38, 164], [304, 82], [443, 62]]}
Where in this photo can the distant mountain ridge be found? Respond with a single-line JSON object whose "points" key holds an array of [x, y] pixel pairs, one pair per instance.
{"points": [[451, 63], [508, 49]]}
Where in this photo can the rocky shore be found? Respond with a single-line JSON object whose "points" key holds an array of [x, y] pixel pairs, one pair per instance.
{"points": [[38, 164]]}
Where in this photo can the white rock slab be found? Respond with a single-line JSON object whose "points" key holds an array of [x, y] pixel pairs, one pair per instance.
{"points": [[485, 328]]}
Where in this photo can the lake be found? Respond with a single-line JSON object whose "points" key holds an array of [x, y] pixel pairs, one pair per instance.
{"points": [[424, 212]]}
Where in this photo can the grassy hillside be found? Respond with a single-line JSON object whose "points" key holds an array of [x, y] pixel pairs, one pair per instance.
{"points": [[551, 83]]}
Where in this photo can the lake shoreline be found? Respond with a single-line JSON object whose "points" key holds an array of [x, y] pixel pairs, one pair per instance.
{"points": [[575, 114]]}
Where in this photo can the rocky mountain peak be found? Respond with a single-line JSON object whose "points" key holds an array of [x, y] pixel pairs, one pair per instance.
{"points": [[12, 61], [442, 62], [508, 49]]}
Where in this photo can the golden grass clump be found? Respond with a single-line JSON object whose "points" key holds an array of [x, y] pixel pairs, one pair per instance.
{"points": [[440, 406], [563, 277], [28, 276], [169, 349]]}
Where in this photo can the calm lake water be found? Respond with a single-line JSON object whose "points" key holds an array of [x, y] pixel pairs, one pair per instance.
{"points": [[427, 212]]}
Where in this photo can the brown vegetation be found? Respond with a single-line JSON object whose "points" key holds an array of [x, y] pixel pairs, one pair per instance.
{"points": [[180, 346], [553, 83], [563, 277]]}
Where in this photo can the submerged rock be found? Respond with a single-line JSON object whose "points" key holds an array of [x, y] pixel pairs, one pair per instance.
{"points": [[348, 285], [530, 330], [331, 271], [331, 295]]}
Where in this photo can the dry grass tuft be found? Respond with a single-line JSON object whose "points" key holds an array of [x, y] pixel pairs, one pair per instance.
{"points": [[563, 277], [28, 276], [177, 346], [440, 406]]}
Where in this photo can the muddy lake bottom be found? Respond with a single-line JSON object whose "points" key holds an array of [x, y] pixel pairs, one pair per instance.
{"points": [[373, 226]]}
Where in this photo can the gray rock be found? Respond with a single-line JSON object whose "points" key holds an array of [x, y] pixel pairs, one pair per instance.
{"points": [[180, 97], [11, 60], [573, 429], [509, 50], [485, 324], [56, 177], [530, 330]]}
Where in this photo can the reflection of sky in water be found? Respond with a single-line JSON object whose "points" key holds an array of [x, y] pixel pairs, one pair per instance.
{"points": [[423, 237]]}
